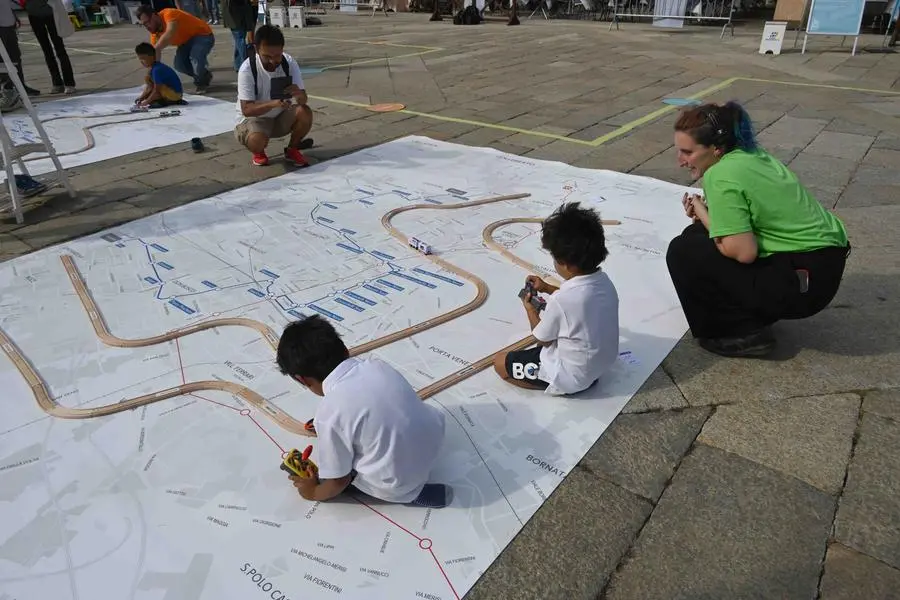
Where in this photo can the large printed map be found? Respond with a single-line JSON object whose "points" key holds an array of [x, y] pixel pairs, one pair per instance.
{"points": [[95, 127], [144, 419]]}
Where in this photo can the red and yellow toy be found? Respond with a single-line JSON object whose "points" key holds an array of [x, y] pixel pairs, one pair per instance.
{"points": [[299, 464]]}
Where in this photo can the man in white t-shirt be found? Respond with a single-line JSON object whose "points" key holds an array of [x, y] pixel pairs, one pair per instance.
{"points": [[578, 333], [272, 100], [373, 430]]}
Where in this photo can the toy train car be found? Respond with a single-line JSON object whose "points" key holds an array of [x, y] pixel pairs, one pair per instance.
{"points": [[420, 245]]}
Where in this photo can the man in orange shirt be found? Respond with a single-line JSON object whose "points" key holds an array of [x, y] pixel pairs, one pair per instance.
{"points": [[193, 37]]}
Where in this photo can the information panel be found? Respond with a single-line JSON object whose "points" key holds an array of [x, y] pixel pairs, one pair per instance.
{"points": [[835, 17]]}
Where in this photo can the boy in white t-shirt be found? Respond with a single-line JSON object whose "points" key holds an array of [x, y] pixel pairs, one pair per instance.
{"points": [[272, 100], [373, 430], [578, 330]]}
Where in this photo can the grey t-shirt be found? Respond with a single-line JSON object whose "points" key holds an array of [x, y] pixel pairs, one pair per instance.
{"points": [[7, 16]]}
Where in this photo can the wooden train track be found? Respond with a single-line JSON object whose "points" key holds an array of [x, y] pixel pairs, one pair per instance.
{"points": [[279, 417], [91, 142]]}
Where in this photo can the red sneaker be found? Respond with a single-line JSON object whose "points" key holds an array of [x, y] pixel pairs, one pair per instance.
{"points": [[295, 156], [260, 159]]}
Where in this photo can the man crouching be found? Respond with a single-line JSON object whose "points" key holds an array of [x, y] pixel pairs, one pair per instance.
{"points": [[272, 100]]}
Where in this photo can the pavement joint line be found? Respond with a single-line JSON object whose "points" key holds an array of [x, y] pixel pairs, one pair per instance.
{"points": [[371, 43], [621, 130], [85, 50], [380, 58]]}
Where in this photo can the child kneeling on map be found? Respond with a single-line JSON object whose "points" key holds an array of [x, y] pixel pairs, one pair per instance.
{"points": [[578, 329], [163, 84], [373, 430]]}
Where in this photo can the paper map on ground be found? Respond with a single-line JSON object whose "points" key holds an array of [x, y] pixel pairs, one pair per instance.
{"points": [[88, 129], [182, 497]]}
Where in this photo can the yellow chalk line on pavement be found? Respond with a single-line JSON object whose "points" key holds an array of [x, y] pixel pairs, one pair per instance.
{"points": [[846, 88], [623, 129], [553, 136]]}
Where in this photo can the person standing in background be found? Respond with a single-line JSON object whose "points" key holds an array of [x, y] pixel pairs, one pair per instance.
{"points": [[48, 20], [9, 24], [240, 17], [213, 11], [190, 6]]}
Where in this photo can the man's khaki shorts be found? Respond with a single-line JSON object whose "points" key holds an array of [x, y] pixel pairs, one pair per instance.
{"points": [[276, 127]]}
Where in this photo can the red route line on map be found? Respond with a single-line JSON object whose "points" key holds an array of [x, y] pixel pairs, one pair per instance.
{"points": [[424, 544], [266, 432], [180, 364]]}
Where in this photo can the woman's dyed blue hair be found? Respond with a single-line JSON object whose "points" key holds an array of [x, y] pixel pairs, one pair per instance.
{"points": [[726, 126]]}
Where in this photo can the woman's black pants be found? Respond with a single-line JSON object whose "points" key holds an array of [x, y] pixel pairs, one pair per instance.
{"points": [[724, 298]]}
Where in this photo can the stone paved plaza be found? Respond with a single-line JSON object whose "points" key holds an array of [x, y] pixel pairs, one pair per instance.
{"points": [[722, 479]]}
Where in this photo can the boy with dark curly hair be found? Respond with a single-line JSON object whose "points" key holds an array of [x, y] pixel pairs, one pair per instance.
{"points": [[578, 330]]}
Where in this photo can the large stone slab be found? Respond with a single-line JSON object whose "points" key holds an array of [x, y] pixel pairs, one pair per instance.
{"points": [[11, 247], [570, 546], [850, 575], [659, 392], [883, 402], [822, 171], [792, 131], [808, 438], [872, 227], [640, 452], [728, 528], [869, 516], [860, 194], [849, 146]]}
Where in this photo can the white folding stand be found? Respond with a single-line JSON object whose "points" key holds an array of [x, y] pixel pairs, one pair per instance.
{"points": [[13, 153]]}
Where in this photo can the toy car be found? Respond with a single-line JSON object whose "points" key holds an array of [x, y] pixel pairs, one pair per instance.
{"points": [[536, 301]]}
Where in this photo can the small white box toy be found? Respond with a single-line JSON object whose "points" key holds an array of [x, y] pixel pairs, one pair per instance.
{"points": [[413, 242]]}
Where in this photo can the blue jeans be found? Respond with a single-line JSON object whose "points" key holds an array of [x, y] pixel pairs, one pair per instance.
{"points": [[192, 7], [240, 47], [212, 6], [191, 58]]}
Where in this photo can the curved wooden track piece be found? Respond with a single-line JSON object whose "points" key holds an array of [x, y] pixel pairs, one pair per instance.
{"points": [[279, 417], [51, 407], [91, 142]]}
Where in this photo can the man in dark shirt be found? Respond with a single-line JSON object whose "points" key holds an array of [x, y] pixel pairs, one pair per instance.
{"points": [[40, 17], [9, 23]]}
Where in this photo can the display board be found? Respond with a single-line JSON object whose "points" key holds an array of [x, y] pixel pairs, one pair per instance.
{"points": [[792, 11], [835, 17]]}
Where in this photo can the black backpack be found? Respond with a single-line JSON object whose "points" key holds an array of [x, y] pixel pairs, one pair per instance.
{"points": [[468, 16], [251, 55]]}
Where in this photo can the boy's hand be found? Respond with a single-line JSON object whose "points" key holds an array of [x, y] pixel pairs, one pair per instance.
{"points": [[538, 284], [306, 486]]}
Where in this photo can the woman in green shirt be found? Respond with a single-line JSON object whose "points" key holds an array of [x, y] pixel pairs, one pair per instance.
{"points": [[760, 249]]}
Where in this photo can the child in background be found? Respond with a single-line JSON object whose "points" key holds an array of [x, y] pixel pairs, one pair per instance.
{"points": [[578, 332], [373, 430], [163, 84]]}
